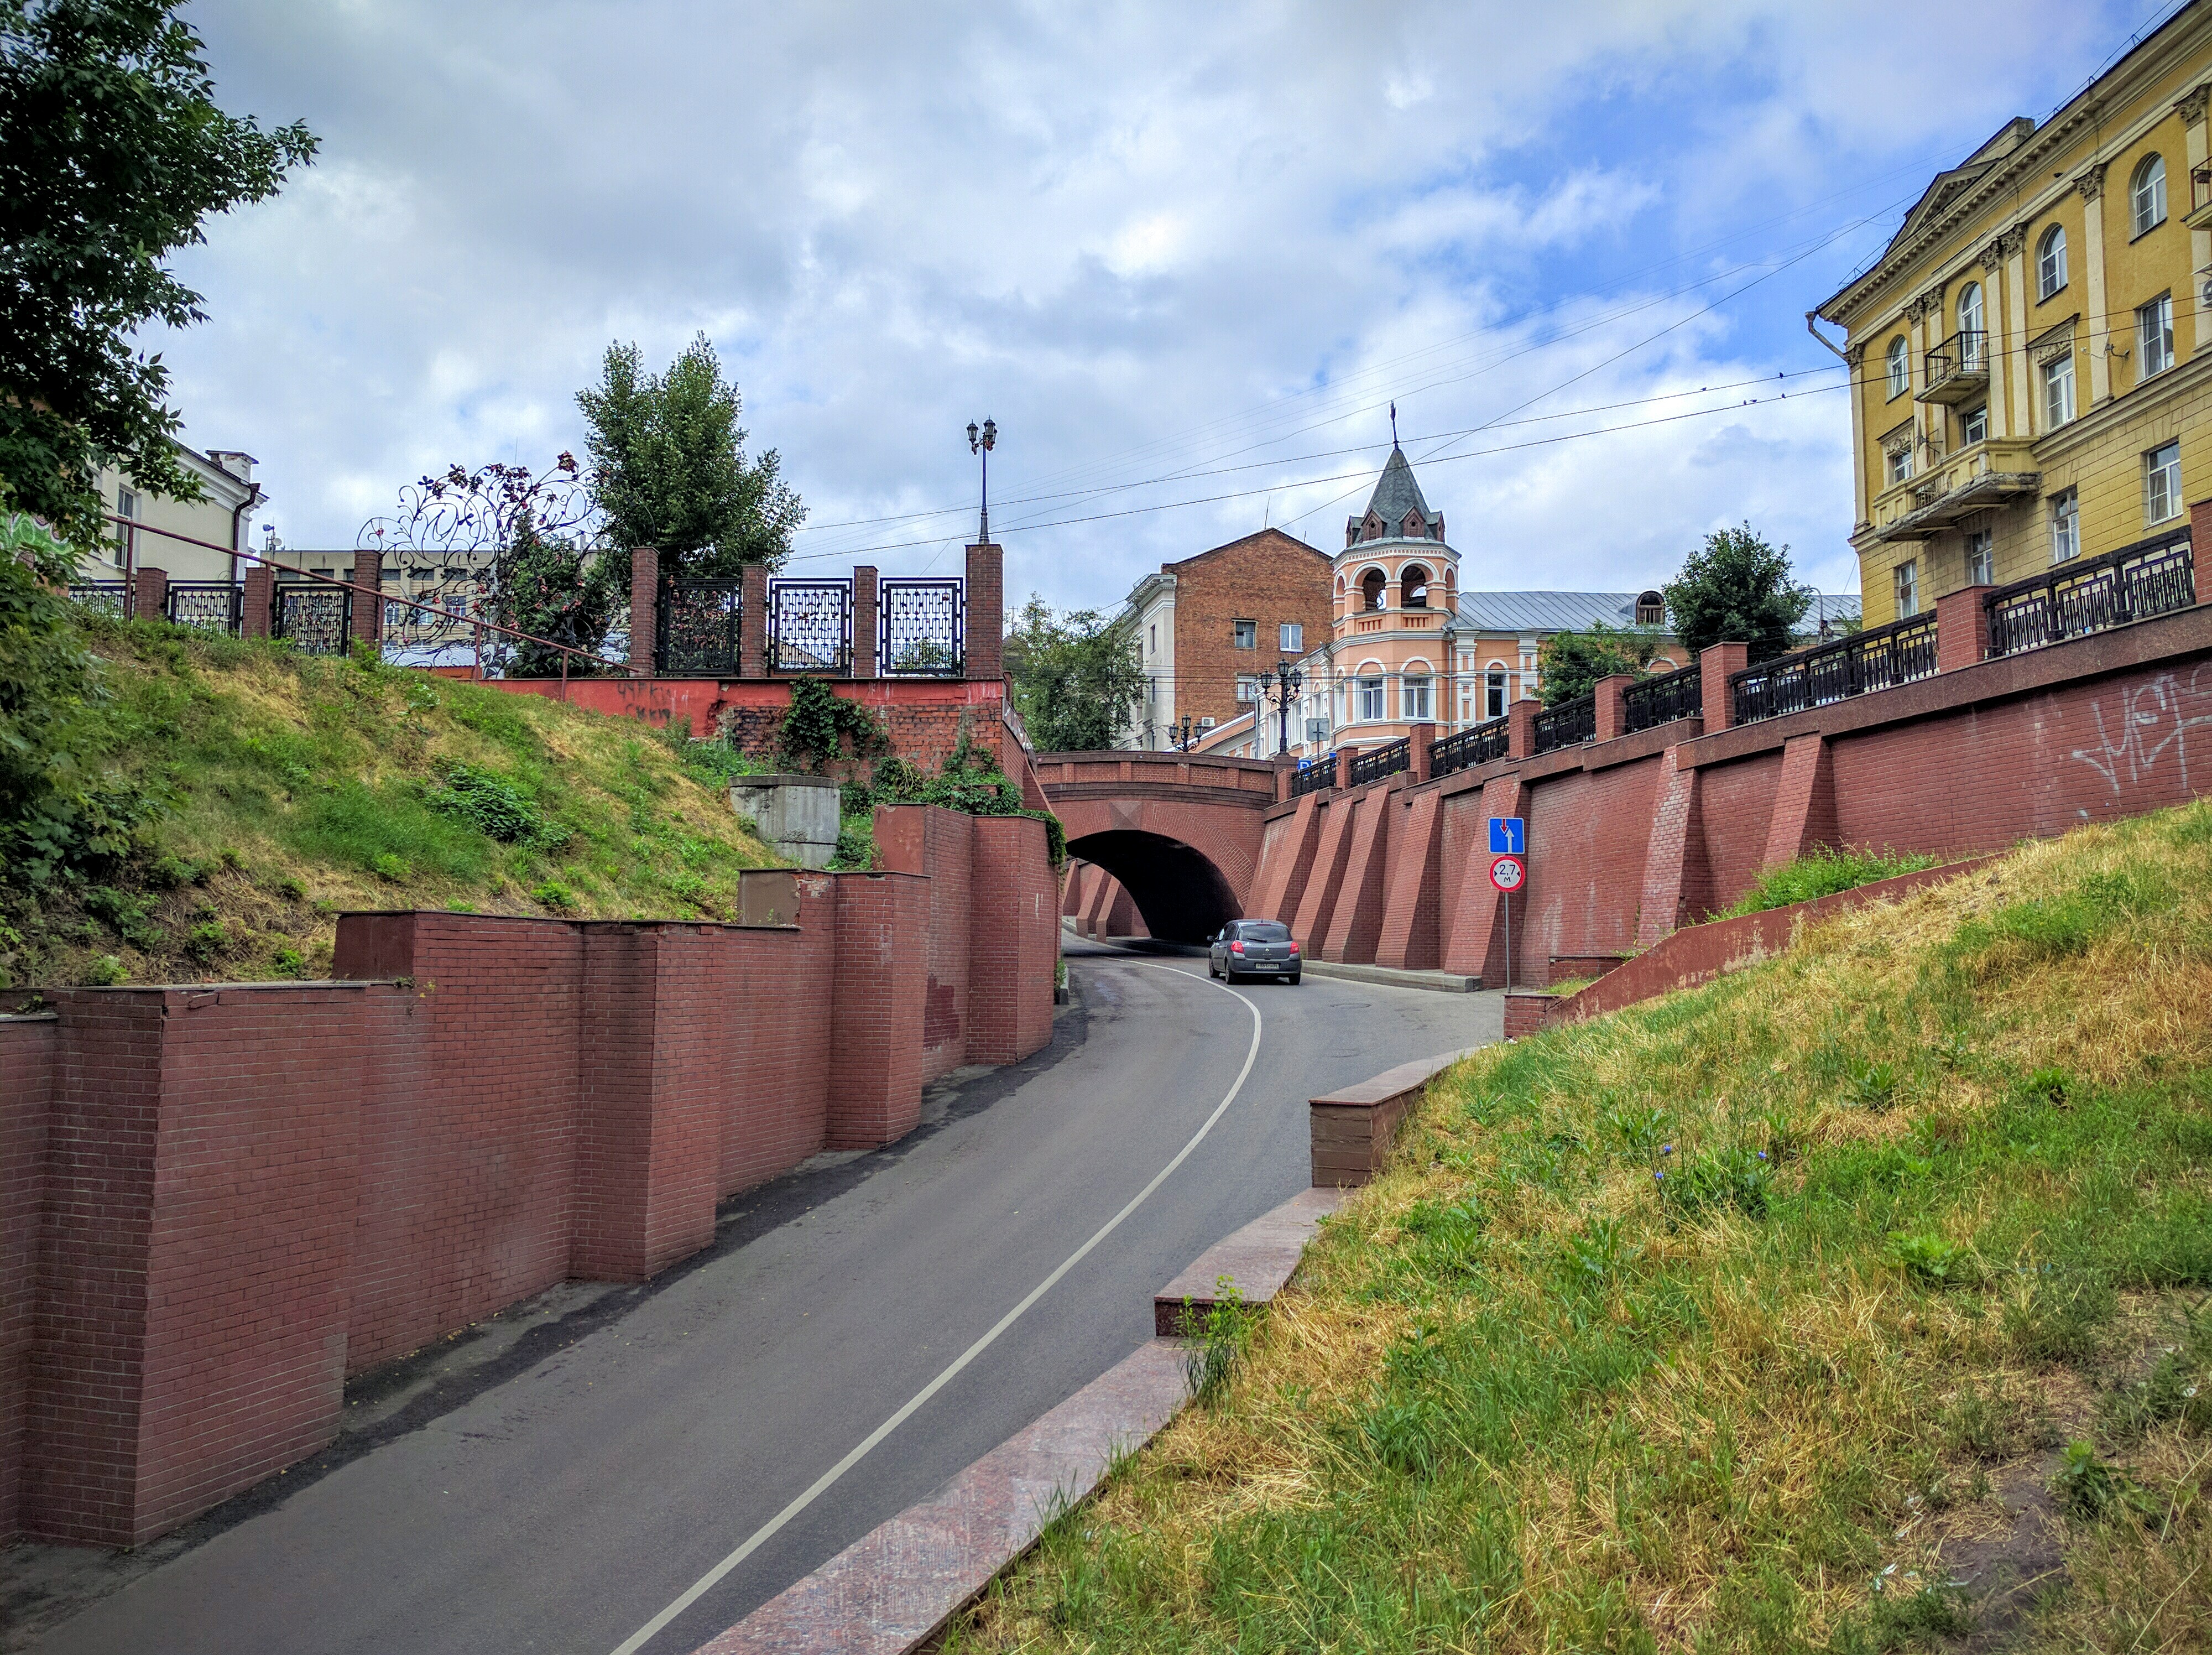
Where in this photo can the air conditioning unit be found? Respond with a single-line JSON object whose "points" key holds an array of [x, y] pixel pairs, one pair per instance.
{"points": [[1205, 723]]}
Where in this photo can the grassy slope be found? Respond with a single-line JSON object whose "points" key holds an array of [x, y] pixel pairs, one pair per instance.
{"points": [[299, 787], [1936, 1203]]}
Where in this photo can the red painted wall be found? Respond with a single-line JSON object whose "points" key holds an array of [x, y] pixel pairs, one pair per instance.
{"points": [[26, 1064]]}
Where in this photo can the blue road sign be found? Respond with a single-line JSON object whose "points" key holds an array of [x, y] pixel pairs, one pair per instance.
{"points": [[1508, 836]]}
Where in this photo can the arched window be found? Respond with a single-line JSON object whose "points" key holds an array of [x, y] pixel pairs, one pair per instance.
{"points": [[1970, 327], [1900, 372], [1372, 585], [1413, 588], [2146, 195], [1650, 609], [2049, 262], [1493, 690]]}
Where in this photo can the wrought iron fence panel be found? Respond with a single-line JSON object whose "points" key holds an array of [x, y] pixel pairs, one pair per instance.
{"points": [[1881, 660], [695, 627], [810, 626], [1314, 776], [922, 628], [2151, 578], [1664, 699], [107, 597], [216, 605], [1378, 762], [316, 618], [1567, 725], [1470, 747]]}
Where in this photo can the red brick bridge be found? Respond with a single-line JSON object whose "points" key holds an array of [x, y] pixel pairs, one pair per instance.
{"points": [[1167, 845]]}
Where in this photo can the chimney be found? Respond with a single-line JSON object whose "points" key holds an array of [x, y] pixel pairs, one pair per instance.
{"points": [[236, 461]]}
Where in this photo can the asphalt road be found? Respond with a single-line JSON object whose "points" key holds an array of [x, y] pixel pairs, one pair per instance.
{"points": [[562, 1497]]}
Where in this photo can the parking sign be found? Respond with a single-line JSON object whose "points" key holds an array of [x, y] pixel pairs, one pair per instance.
{"points": [[1508, 836]]}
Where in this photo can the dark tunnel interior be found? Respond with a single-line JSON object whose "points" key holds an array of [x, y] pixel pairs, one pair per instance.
{"points": [[1179, 891]]}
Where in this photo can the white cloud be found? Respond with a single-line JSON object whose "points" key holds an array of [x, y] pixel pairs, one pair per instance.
{"points": [[1147, 240]]}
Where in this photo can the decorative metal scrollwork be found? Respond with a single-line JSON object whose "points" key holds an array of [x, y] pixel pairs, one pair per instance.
{"points": [[810, 626], [921, 628]]}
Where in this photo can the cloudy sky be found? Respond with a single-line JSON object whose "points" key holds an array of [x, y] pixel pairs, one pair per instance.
{"points": [[1186, 255]]}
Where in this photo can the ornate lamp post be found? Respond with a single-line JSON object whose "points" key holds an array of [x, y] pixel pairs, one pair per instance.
{"points": [[981, 442], [1289, 681]]}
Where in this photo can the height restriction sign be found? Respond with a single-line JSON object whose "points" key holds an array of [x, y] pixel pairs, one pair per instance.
{"points": [[1508, 873]]}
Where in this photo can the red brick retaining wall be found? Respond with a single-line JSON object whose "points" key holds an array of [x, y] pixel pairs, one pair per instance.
{"points": [[216, 1202]]}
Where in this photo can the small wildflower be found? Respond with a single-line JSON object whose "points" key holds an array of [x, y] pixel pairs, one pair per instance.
{"points": [[1762, 1154], [1658, 1177], [1666, 1149]]}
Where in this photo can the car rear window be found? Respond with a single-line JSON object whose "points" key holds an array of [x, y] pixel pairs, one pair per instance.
{"points": [[1263, 931]]}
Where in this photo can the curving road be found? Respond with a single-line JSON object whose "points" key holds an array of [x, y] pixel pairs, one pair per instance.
{"points": [[560, 1480]]}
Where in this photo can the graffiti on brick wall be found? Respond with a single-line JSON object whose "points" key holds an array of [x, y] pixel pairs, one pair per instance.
{"points": [[2150, 721]]}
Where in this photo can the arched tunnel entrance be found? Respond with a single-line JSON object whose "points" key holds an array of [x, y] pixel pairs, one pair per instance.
{"points": [[1181, 893]]}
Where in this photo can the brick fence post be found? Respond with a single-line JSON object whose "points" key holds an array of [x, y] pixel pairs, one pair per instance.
{"points": [[1521, 729], [1344, 770], [1423, 735], [864, 664], [1715, 663], [987, 612], [259, 599], [1612, 710], [149, 593], [644, 610], [2200, 544], [1286, 767], [753, 624], [1961, 634], [367, 611]]}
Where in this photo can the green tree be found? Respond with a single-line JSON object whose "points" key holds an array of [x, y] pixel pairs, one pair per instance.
{"points": [[553, 588], [669, 467], [1573, 662], [1736, 588], [1077, 677], [113, 150]]}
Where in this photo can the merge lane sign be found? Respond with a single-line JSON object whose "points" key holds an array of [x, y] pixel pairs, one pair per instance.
{"points": [[1508, 873], [1508, 836]]}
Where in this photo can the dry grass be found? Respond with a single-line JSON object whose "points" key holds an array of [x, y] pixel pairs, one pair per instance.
{"points": [[288, 788], [1726, 1322]]}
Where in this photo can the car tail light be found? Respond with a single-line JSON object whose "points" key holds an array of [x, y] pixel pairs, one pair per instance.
{"points": [[1236, 947], [1294, 948]]}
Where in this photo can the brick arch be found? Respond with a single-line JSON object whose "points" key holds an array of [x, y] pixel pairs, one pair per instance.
{"points": [[1181, 835]]}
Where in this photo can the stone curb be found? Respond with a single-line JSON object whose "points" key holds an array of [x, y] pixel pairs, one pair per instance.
{"points": [[1448, 982]]}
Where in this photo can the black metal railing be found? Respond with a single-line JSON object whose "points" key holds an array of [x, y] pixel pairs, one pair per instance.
{"points": [[1881, 658], [1965, 352], [2151, 577], [1663, 700], [1378, 762], [695, 626], [213, 605], [1567, 725], [316, 618], [810, 626], [1476, 746], [108, 597], [1316, 776], [922, 628]]}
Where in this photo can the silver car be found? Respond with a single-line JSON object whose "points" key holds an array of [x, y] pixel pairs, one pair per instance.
{"points": [[1254, 948]]}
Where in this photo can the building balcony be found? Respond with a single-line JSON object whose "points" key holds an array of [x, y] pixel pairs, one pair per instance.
{"points": [[1955, 488], [1364, 622], [1957, 370]]}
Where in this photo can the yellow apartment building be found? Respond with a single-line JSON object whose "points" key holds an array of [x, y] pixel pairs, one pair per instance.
{"points": [[2031, 384]]}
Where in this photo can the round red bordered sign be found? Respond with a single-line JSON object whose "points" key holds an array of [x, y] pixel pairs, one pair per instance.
{"points": [[1508, 873]]}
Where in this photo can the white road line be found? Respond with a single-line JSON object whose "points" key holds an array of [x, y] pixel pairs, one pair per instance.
{"points": [[821, 1485]]}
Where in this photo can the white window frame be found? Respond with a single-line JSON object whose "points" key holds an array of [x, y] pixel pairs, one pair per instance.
{"points": [[1898, 356], [1417, 696], [1368, 698], [2049, 262], [2147, 197], [1898, 463], [1972, 335], [2162, 483], [1493, 691], [1237, 640], [1291, 637], [2058, 391], [1981, 557], [2065, 527], [1968, 436], [1248, 688], [1904, 579], [2155, 336]]}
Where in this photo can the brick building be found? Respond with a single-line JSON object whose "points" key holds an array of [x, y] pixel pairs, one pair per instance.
{"points": [[1209, 628]]}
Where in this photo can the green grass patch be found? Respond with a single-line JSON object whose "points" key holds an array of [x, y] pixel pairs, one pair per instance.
{"points": [[1823, 873], [285, 788], [1737, 1320]]}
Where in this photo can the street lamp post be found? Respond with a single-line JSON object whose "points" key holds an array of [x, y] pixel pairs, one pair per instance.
{"points": [[1289, 680], [981, 442]]}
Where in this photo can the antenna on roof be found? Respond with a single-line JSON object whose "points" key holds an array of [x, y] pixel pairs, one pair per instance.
{"points": [[1394, 424]]}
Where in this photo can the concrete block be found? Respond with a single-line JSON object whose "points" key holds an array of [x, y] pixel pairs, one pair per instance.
{"points": [[797, 814]]}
